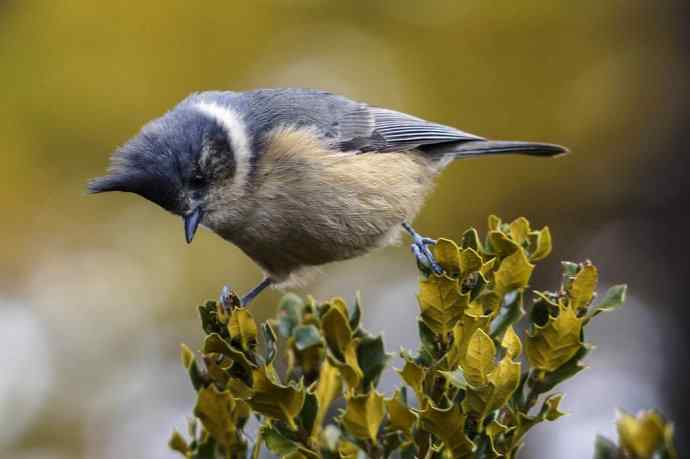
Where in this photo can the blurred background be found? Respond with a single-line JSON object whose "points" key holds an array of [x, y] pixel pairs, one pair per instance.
{"points": [[96, 292]]}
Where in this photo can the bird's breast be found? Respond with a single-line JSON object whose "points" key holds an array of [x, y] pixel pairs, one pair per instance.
{"points": [[310, 205]]}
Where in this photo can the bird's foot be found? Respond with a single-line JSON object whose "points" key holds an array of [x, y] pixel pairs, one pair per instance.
{"points": [[230, 300], [420, 249]]}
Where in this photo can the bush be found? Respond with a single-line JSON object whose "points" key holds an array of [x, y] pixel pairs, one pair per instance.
{"points": [[474, 388]]}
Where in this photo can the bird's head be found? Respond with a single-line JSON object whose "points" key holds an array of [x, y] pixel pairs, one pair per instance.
{"points": [[182, 161]]}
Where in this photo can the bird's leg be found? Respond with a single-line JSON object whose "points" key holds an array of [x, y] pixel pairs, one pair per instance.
{"points": [[225, 294], [253, 293], [420, 248]]}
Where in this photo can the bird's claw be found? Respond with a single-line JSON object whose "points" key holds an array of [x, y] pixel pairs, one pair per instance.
{"points": [[228, 298], [420, 249]]}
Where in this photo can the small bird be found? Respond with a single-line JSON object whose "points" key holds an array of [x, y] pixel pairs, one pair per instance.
{"points": [[296, 178]]}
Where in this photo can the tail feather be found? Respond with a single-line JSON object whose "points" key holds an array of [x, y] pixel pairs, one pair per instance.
{"points": [[497, 147]]}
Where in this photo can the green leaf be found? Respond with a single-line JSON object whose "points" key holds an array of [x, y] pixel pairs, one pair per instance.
{"points": [[356, 312], [605, 449], [570, 268], [364, 414], [372, 359], [612, 300], [306, 336], [427, 338], [280, 444], [309, 412], [270, 339], [289, 313], [511, 311]]}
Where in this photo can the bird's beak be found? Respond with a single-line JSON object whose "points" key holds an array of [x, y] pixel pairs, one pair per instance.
{"points": [[191, 223]]}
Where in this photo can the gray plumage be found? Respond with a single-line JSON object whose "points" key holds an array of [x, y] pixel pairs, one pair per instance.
{"points": [[296, 178]]}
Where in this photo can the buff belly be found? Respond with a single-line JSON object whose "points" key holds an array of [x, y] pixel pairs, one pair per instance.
{"points": [[309, 205]]}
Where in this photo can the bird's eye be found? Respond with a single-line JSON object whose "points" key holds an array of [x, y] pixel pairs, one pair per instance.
{"points": [[197, 181]]}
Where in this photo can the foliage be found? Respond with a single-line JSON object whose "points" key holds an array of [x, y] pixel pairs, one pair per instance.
{"points": [[645, 436], [473, 389]]}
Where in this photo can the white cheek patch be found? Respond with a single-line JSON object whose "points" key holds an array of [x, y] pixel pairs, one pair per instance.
{"points": [[237, 135]]}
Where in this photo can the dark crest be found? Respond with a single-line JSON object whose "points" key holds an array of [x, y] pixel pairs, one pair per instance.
{"points": [[160, 161]]}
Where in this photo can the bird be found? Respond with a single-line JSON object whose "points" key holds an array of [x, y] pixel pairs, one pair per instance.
{"points": [[296, 178]]}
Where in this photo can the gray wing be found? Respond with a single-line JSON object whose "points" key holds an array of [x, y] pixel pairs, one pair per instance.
{"points": [[351, 126], [378, 129]]}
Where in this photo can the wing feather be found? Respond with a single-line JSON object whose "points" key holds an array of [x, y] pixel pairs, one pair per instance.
{"points": [[378, 129]]}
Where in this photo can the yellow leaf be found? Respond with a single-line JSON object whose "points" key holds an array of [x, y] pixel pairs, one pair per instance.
{"points": [[487, 267], [448, 425], [413, 375], [519, 230], [543, 245], [348, 450], [447, 254], [441, 303], [493, 430], [494, 222], [641, 435], [336, 330], [470, 261], [582, 288], [401, 417], [489, 303], [462, 333], [177, 443], [551, 410], [276, 400], [216, 411], [479, 359], [513, 273], [340, 305], [501, 383], [550, 346], [511, 343], [364, 414], [505, 378], [327, 388], [501, 244], [186, 355], [242, 328]]}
